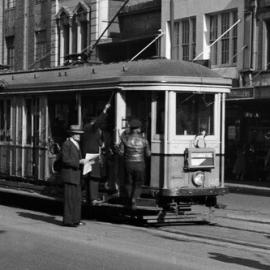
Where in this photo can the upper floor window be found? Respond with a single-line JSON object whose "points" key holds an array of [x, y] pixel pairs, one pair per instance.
{"points": [[185, 38], [10, 52], [10, 4], [213, 37], [73, 31], [40, 45], [224, 51]]}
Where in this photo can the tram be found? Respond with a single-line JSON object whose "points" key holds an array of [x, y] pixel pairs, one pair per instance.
{"points": [[173, 100]]}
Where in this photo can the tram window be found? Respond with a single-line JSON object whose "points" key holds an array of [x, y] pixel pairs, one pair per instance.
{"points": [[194, 111], [5, 120], [160, 113], [63, 112], [28, 121]]}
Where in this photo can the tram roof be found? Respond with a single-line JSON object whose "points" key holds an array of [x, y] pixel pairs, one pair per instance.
{"points": [[123, 75]]}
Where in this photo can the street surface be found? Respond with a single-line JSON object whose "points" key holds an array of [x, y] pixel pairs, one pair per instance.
{"points": [[32, 238]]}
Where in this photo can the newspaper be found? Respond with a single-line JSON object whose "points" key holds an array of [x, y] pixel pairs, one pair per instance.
{"points": [[90, 161]]}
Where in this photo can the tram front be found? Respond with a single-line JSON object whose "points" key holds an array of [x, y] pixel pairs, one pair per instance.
{"points": [[185, 98]]}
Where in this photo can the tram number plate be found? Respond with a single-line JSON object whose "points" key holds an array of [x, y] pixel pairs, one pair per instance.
{"points": [[201, 159]]}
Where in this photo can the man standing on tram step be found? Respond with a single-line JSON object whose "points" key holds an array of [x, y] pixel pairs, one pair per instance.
{"points": [[92, 141], [71, 176], [135, 148]]}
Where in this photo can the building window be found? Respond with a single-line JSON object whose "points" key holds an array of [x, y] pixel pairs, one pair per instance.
{"points": [[226, 47], [5, 108], [193, 37], [84, 34], [177, 40], [10, 4], [213, 37], [194, 112], [225, 41], [185, 39], [234, 38], [74, 35], [10, 52], [41, 45]]}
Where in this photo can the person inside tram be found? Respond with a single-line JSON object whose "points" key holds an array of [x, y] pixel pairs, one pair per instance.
{"points": [[199, 140]]}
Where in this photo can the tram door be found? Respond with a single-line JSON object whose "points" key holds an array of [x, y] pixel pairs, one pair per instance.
{"points": [[36, 116], [138, 105]]}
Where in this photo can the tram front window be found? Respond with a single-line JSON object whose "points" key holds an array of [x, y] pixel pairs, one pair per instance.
{"points": [[193, 112]]}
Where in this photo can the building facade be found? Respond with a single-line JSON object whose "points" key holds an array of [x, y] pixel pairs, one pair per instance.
{"points": [[232, 38], [41, 33]]}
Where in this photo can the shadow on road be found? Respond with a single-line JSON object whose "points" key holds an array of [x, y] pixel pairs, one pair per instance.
{"points": [[240, 261], [48, 219]]}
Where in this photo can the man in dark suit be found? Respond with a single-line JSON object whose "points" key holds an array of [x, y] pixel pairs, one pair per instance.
{"points": [[92, 141], [71, 176]]}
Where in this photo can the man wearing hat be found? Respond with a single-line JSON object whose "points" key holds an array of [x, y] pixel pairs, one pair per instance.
{"points": [[71, 175], [135, 148]]}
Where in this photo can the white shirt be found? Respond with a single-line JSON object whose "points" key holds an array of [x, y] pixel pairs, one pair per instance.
{"points": [[75, 143]]}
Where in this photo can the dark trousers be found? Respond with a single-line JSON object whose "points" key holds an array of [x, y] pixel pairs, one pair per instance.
{"points": [[91, 188], [72, 204], [135, 176]]}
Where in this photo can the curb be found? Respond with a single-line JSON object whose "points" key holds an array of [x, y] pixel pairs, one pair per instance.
{"points": [[248, 189]]}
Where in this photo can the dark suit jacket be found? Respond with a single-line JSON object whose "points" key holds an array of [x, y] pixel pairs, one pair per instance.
{"points": [[92, 137], [71, 156]]}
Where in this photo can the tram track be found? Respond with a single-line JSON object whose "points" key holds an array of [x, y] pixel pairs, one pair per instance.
{"points": [[215, 240]]}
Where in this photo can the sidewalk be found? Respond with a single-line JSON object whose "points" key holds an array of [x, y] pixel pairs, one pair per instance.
{"points": [[249, 187]]}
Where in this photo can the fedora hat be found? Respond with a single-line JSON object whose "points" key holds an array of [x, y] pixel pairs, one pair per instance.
{"points": [[75, 129]]}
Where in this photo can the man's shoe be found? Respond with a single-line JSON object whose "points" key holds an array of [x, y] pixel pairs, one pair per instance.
{"points": [[81, 223]]}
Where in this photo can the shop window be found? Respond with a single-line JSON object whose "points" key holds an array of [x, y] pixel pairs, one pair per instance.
{"points": [[5, 108], [194, 112]]}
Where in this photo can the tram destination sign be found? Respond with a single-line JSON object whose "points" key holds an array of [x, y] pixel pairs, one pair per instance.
{"points": [[241, 93]]}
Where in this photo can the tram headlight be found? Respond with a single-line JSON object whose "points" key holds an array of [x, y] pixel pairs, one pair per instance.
{"points": [[198, 178]]}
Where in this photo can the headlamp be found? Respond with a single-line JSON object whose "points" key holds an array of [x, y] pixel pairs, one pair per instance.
{"points": [[198, 179]]}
